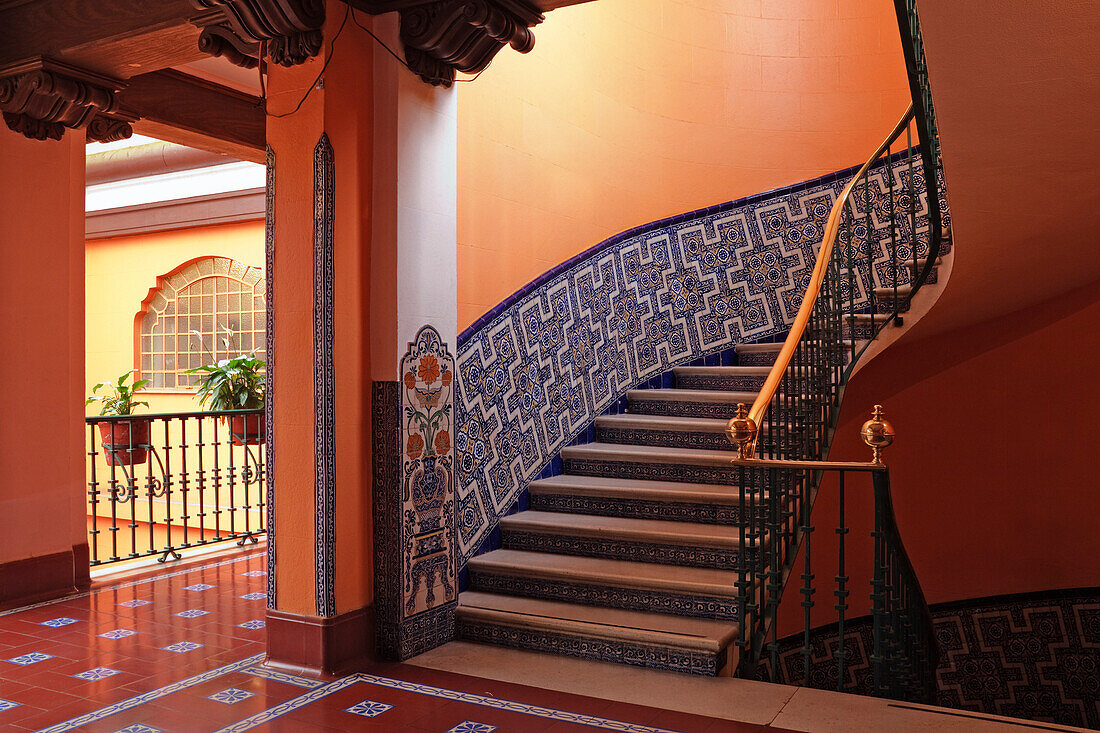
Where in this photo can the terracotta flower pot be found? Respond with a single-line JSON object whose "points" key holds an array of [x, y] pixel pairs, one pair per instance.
{"points": [[248, 429], [125, 443]]}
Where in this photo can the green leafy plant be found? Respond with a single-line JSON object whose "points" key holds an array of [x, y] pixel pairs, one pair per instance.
{"points": [[232, 384], [121, 400]]}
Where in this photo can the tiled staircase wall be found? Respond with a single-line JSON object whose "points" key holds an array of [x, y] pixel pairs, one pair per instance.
{"points": [[535, 372]]}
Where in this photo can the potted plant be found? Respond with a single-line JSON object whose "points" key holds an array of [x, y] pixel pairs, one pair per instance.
{"points": [[235, 384], [125, 442]]}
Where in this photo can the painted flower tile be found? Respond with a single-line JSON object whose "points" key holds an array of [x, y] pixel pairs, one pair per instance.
{"points": [[99, 673], [253, 596], [7, 705], [32, 658], [135, 603], [192, 613], [57, 622], [118, 634], [253, 625], [198, 586], [369, 708], [183, 646], [231, 696]]}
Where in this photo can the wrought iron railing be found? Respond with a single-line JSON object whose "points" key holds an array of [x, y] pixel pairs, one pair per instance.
{"points": [[161, 483]]}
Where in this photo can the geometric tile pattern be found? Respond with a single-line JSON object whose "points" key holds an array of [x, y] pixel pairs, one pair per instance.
{"points": [[99, 673], [269, 380], [539, 368], [8, 705], [254, 596], [198, 586], [139, 728], [54, 623], [134, 603], [230, 696], [182, 646], [192, 613], [1034, 656], [469, 726], [369, 708], [32, 658], [118, 634], [253, 625]]}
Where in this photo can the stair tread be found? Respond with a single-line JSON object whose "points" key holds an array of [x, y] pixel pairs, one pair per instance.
{"points": [[641, 421], [651, 453], [679, 631], [639, 530], [749, 348], [603, 571], [724, 371], [637, 489], [692, 395]]}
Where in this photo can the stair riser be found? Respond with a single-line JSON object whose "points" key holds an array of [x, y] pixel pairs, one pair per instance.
{"points": [[635, 599], [619, 549], [684, 473], [665, 438], [756, 358], [683, 408], [739, 383], [639, 655], [637, 508]]}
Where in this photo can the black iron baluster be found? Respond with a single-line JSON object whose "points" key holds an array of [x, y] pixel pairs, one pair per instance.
{"points": [[201, 488], [893, 229], [807, 595], [185, 518], [232, 472], [841, 591], [93, 495], [216, 444]]}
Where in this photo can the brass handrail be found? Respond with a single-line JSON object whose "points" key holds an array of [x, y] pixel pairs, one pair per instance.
{"points": [[821, 267]]}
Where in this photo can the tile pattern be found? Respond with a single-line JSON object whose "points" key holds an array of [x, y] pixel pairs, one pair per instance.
{"points": [[470, 726], [369, 708], [728, 514], [1034, 656], [324, 374], [192, 613], [604, 546], [534, 372], [269, 402], [7, 705], [182, 647], [230, 695], [56, 622], [99, 673], [31, 658], [118, 634]]}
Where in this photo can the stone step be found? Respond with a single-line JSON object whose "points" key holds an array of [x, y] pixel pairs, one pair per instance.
{"points": [[884, 297], [757, 354], [729, 378], [614, 460], [638, 498], [864, 325], [687, 402], [666, 589], [688, 544], [659, 641], [663, 430]]}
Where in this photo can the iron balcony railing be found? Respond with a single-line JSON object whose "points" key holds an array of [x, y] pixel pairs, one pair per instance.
{"points": [[161, 483]]}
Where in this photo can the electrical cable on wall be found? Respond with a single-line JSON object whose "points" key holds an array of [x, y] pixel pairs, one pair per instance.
{"points": [[348, 12]]}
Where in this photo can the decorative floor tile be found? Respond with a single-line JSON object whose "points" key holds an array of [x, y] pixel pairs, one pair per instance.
{"points": [[198, 586], [253, 596], [56, 622], [31, 658], [231, 696], [7, 705], [139, 728], [369, 708], [255, 624], [135, 603], [182, 646], [99, 673], [118, 634], [469, 726], [255, 573], [192, 613]]}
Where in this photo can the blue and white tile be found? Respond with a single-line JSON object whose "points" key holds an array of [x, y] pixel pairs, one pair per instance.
{"points": [[181, 647], [30, 658], [254, 596], [135, 603], [198, 587], [139, 728], [99, 673], [231, 695], [255, 573], [471, 726], [253, 625], [7, 705], [369, 708], [192, 613], [55, 623], [118, 634]]}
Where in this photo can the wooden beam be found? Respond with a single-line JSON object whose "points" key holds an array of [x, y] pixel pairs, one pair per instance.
{"points": [[190, 111]]}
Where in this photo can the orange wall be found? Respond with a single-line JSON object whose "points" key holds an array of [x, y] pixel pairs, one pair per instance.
{"points": [[628, 111], [993, 471], [42, 329], [119, 273]]}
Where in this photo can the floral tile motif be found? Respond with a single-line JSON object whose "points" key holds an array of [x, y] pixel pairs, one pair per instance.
{"points": [[54, 623], [99, 673], [255, 573], [231, 695], [139, 728], [182, 646], [469, 726], [118, 634], [198, 586], [253, 625], [369, 708], [7, 705], [32, 658], [253, 596], [192, 613], [135, 603]]}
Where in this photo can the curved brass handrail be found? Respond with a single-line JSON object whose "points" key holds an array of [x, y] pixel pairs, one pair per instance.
{"points": [[821, 267]]}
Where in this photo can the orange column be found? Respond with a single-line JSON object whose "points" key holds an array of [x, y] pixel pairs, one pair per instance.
{"points": [[42, 329], [320, 137]]}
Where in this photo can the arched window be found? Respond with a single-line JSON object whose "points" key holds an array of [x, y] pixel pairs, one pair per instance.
{"points": [[187, 318]]}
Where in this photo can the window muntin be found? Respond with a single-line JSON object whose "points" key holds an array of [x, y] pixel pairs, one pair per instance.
{"points": [[185, 320]]}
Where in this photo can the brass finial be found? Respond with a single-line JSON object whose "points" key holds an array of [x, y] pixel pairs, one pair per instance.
{"points": [[741, 431], [877, 433]]}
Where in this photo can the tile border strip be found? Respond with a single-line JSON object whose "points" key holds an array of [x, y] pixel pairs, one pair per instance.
{"points": [[269, 348]]}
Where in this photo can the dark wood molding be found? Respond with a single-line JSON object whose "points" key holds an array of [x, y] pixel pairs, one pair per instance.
{"points": [[190, 111], [333, 645], [44, 577], [42, 98], [290, 30], [162, 216], [444, 36]]}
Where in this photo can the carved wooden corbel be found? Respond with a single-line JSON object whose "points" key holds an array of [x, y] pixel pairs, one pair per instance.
{"points": [[40, 99], [290, 28], [445, 36]]}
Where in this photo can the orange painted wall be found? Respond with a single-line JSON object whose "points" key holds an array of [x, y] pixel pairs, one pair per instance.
{"points": [[628, 111], [994, 476], [119, 273], [42, 329]]}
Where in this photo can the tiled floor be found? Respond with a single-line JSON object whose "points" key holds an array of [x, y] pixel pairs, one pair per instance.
{"points": [[180, 651]]}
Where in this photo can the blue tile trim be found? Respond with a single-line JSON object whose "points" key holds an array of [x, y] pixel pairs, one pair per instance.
{"points": [[146, 697], [324, 375], [269, 350]]}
